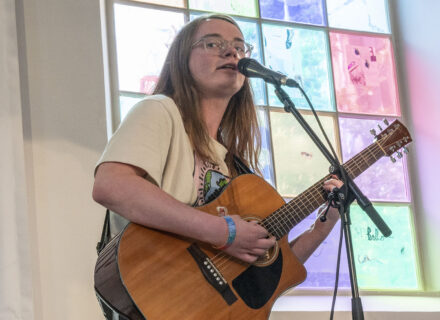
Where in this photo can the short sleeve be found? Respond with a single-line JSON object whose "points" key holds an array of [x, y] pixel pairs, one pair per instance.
{"points": [[143, 139]]}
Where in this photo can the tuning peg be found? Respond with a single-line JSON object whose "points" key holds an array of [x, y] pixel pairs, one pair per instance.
{"points": [[405, 150], [380, 128], [393, 160], [399, 155], [386, 122], [373, 132]]}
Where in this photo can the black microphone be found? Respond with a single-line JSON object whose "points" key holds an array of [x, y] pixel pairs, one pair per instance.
{"points": [[253, 69]]}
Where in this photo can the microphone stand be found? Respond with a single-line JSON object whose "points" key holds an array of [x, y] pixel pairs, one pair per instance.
{"points": [[344, 211]]}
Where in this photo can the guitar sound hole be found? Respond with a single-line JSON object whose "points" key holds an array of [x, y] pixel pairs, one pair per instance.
{"points": [[268, 257]]}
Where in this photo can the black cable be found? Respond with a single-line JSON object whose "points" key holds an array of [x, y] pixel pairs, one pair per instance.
{"points": [[338, 264]]}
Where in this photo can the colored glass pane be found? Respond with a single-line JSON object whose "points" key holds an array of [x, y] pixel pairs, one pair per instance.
{"points": [[298, 162], [302, 54], [246, 8], [251, 33], [300, 11], [384, 180], [173, 3], [321, 266], [143, 37], [385, 263], [265, 160], [362, 15], [381, 263], [364, 74]]}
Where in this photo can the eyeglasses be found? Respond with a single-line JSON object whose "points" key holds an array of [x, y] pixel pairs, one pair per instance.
{"points": [[217, 45]]}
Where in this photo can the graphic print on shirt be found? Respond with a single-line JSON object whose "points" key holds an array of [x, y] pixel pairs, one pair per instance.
{"points": [[209, 180]]}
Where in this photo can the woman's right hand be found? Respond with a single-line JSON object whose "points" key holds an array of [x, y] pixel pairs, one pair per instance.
{"points": [[251, 240]]}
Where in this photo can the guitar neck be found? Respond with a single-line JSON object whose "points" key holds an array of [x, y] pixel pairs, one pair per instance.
{"points": [[280, 222]]}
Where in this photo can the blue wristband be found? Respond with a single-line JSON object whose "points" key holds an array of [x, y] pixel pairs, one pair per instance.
{"points": [[232, 231]]}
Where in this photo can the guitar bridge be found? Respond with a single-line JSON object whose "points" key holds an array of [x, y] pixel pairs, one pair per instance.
{"points": [[212, 274]]}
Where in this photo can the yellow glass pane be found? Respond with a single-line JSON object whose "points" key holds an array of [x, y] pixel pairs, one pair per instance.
{"points": [[298, 162]]}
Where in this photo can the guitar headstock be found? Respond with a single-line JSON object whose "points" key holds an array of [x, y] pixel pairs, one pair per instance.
{"points": [[393, 138]]}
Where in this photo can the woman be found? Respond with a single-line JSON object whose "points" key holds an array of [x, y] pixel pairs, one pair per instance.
{"points": [[180, 146]]}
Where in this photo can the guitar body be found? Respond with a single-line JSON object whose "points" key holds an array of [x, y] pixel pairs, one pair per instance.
{"points": [[165, 281], [145, 273]]}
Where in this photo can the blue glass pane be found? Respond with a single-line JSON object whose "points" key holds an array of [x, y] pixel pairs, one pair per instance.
{"points": [[362, 15], [265, 160], [300, 11], [303, 55]]}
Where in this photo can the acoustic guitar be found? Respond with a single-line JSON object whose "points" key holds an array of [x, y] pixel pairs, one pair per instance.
{"points": [[150, 274]]}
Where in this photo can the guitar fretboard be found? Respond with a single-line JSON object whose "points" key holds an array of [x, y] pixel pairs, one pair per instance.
{"points": [[280, 222]]}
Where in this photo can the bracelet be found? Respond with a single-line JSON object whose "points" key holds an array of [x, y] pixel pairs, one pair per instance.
{"points": [[231, 233]]}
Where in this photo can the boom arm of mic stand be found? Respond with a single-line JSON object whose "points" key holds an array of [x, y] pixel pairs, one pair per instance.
{"points": [[368, 207]]}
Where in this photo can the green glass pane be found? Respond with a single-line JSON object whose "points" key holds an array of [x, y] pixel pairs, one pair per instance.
{"points": [[384, 263], [303, 55], [246, 8], [298, 162]]}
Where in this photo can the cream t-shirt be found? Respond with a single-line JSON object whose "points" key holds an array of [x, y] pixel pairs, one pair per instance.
{"points": [[153, 138]]}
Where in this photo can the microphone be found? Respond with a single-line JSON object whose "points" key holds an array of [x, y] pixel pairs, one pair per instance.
{"points": [[253, 69]]}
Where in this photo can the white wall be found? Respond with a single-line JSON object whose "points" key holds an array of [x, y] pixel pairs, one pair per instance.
{"points": [[64, 126], [418, 51], [64, 121]]}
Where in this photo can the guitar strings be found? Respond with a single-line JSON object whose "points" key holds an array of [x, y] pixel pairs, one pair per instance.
{"points": [[221, 259], [315, 193]]}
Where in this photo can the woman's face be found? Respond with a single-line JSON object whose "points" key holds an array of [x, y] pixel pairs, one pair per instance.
{"points": [[215, 71]]}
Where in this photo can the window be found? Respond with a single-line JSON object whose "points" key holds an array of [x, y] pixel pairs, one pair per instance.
{"points": [[341, 53]]}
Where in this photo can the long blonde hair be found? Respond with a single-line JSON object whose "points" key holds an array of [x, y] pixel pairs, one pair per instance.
{"points": [[238, 130]]}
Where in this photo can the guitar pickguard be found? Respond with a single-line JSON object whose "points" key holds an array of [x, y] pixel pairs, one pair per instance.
{"points": [[256, 285]]}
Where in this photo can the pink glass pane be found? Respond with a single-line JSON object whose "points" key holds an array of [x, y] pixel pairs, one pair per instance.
{"points": [[364, 74], [384, 180]]}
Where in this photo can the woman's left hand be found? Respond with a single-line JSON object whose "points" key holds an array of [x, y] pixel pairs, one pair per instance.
{"points": [[329, 185]]}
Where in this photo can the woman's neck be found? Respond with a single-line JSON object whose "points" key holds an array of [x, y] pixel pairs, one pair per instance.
{"points": [[212, 112]]}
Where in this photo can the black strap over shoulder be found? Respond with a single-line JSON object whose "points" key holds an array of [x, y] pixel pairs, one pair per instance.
{"points": [[241, 167], [105, 234]]}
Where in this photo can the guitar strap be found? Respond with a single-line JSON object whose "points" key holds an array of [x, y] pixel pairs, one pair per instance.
{"points": [[241, 167], [106, 234]]}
